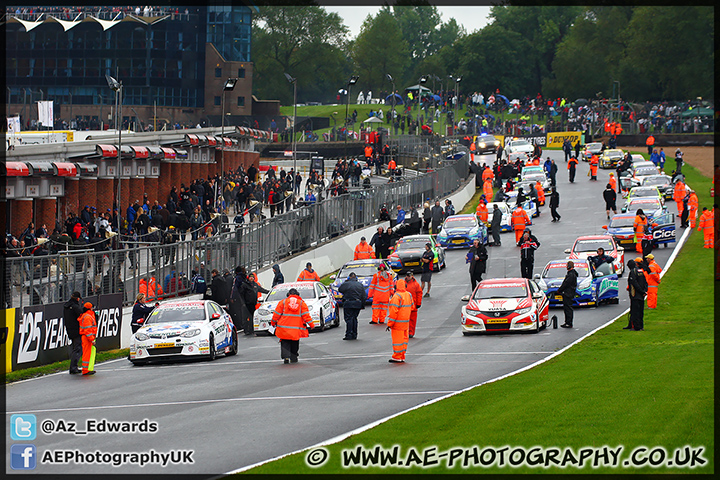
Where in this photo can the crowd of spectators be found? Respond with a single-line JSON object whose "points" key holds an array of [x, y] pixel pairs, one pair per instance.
{"points": [[33, 13]]}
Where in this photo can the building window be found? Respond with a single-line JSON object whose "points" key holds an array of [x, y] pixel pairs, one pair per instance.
{"points": [[218, 72], [241, 101], [217, 100], [241, 73]]}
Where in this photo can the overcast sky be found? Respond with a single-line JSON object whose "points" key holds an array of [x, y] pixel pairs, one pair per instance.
{"points": [[472, 18]]}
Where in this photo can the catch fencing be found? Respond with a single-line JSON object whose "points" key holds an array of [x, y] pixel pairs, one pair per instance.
{"points": [[165, 270]]}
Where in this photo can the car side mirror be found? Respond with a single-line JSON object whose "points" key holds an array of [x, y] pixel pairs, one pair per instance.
{"points": [[323, 295], [333, 276], [536, 276], [465, 298], [215, 316], [620, 249], [567, 250], [604, 227], [599, 274]]}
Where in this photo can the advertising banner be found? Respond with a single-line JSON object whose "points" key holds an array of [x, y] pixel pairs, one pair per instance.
{"points": [[556, 139], [40, 337]]}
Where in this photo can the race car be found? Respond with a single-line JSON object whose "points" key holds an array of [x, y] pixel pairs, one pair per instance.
{"points": [[621, 228], [645, 191], [529, 205], [322, 307], [529, 169], [459, 231], [651, 206], [486, 144], [184, 328], [505, 305], [610, 158], [594, 287], [364, 269], [588, 245], [638, 173], [506, 215], [642, 164], [590, 149], [533, 178], [408, 250], [518, 145], [662, 182]]}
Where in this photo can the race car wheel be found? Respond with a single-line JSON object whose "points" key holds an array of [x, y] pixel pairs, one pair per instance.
{"points": [[537, 326], [336, 323], [213, 353], [138, 363], [234, 344], [323, 325], [466, 334]]}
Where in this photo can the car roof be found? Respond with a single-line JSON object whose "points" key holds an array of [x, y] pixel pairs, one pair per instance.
{"points": [[183, 303], [290, 285], [593, 237], [594, 144], [614, 150], [645, 200], [579, 261], [415, 237], [623, 215], [502, 281], [461, 216], [367, 261]]}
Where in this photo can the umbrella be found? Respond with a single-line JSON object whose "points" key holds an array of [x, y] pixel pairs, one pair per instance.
{"points": [[373, 120], [398, 99], [418, 88], [581, 101], [697, 111], [437, 98], [503, 97]]}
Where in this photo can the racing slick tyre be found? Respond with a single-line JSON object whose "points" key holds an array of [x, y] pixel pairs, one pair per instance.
{"points": [[537, 326], [323, 325], [213, 354], [234, 345], [336, 323]]}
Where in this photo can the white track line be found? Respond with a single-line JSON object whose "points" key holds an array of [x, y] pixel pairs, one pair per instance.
{"points": [[356, 431]]}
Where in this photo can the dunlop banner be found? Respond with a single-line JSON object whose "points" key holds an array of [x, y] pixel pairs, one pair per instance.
{"points": [[40, 337], [556, 139]]}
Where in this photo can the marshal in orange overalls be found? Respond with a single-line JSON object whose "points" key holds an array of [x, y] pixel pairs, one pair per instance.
{"points": [[678, 195], [653, 280], [706, 225], [488, 189], [401, 305], [482, 212], [540, 192], [88, 331], [380, 290], [518, 221], [413, 287]]}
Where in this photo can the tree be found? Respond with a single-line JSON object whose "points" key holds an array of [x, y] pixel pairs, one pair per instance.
{"points": [[305, 41]]}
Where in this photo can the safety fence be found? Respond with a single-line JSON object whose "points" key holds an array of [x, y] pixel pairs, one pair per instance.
{"points": [[163, 270]]}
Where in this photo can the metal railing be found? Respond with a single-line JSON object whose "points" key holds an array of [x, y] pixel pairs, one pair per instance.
{"points": [[39, 279]]}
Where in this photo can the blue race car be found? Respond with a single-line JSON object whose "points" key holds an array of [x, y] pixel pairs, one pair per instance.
{"points": [[364, 269], [595, 287], [459, 231], [621, 228], [506, 212]]}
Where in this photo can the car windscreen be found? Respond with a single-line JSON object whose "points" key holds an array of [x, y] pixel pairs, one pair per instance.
{"points": [[559, 270], [614, 154], [177, 314], [657, 181], [367, 270], [645, 171], [520, 143], [280, 292], [594, 146], [643, 192], [620, 222], [645, 204], [593, 245], [484, 292], [412, 243], [460, 223]]}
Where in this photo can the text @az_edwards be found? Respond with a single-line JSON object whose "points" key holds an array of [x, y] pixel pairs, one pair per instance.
{"points": [[686, 457], [95, 426]]}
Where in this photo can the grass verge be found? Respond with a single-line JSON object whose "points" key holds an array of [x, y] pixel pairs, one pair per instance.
{"points": [[617, 388], [63, 366]]}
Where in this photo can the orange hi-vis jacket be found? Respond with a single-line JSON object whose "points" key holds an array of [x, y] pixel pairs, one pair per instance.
{"points": [[291, 318], [150, 288], [693, 205], [612, 182], [540, 192], [413, 288], [594, 165], [650, 141], [368, 151], [519, 219], [308, 276], [363, 251], [679, 192], [253, 276], [572, 161], [401, 305], [488, 174], [392, 165], [482, 212], [639, 226], [488, 189], [707, 226], [653, 278], [380, 290], [88, 325]]}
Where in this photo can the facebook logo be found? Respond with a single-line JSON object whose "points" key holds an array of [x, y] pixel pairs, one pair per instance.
{"points": [[22, 457], [23, 427]]}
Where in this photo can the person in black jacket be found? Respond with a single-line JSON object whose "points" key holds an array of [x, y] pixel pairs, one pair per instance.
{"points": [[71, 312], [219, 291], [554, 204], [354, 297], [610, 198], [477, 258], [637, 288], [140, 312], [528, 244], [381, 241], [279, 277], [567, 290]]}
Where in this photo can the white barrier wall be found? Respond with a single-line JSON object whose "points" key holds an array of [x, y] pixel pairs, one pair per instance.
{"points": [[325, 259]]}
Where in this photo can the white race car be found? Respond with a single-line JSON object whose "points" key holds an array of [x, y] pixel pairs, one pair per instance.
{"points": [[322, 306], [506, 215], [518, 145], [184, 328]]}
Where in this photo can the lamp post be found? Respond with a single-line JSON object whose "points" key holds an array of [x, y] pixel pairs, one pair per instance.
{"points": [[294, 83], [392, 112], [457, 98], [423, 80], [352, 81], [116, 87], [228, 87]]}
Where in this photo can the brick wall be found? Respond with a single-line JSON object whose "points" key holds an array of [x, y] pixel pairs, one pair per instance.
{"points": [[87, 195], [106, 194], [45, 213], [151, 188], [69, 203], [20, 216]]}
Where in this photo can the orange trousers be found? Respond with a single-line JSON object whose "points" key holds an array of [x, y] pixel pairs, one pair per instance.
{"points": [[399, 343], [86, 352], [652, 296], [518, 234], [379, 313], [679, 206], [693, 217], [709, 235], [413, 322]]}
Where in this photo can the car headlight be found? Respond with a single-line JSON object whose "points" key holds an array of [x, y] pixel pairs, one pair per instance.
{"points": [[443, 234], [474, 231], [585, 283], [191, 333], [263, 311], [523, 311], [472, 312], [541, 283], [141, 336], [310, 308], [482, 145]]}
